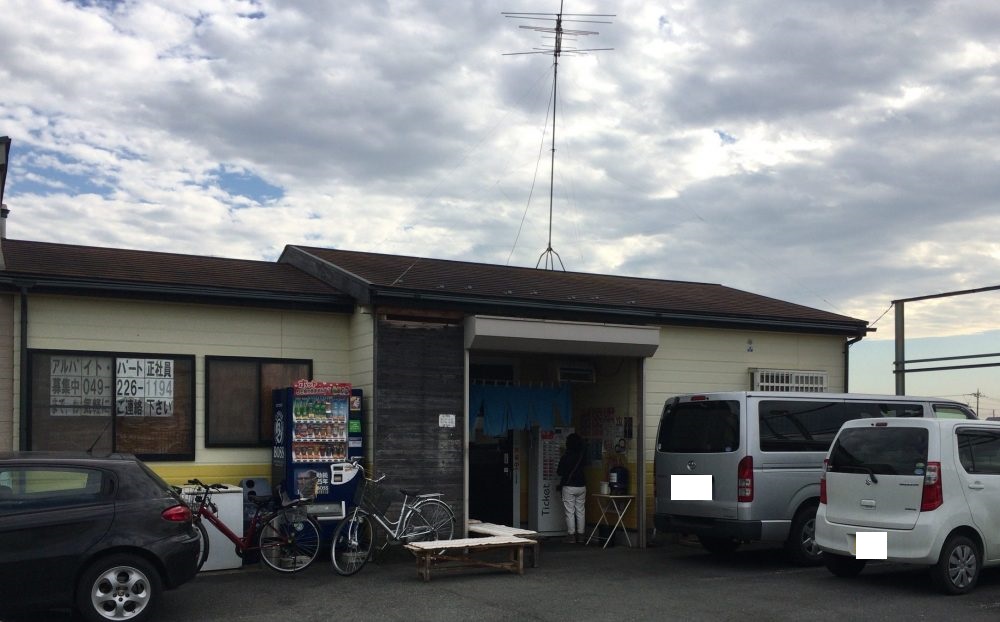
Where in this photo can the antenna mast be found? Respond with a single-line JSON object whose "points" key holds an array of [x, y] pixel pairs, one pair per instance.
{"points": [[556, 49]]}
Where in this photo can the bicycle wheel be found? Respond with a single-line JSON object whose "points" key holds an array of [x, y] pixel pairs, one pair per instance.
{"points": [[352, 544], [289, 541], [203, 544], [430, 519]]}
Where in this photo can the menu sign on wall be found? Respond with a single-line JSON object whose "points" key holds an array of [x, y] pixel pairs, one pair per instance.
{"points": [[85, 385]]}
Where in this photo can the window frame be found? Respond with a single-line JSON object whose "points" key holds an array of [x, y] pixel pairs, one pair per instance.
{"points": [[845, 410], [676, 417], [952, 411], [112, 427], [876, 437], [259, 361], [58, 498], [795, 416], [967, 434]]}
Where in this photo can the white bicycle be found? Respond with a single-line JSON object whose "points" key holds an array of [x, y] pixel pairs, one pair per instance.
{"points": [[423, 516]]}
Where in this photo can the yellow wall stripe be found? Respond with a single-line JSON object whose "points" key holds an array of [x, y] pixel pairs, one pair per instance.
{"points": [[179, 474]]}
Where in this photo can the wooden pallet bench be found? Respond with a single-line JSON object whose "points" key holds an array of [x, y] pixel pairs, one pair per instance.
{"points": [[491, 529], [464, 553]]}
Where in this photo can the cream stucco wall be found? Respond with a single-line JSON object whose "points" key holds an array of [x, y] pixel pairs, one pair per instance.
{"points": [[342, 348], [617, 389], [105, 325], [691, 360], [362, 363]]}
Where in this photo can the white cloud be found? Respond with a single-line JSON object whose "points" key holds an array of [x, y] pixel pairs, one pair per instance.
{"points": [[860, 164]]}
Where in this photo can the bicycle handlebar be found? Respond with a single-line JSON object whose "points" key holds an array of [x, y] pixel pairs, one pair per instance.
{"points": [[356, 463], [200, 484]]}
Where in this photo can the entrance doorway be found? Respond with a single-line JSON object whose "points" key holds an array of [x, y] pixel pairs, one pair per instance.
{"points": [[491, 480], [502, 415], [599, 366]]}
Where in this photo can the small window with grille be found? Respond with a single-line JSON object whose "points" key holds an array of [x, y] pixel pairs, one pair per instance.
{"points": [[788, 380]]}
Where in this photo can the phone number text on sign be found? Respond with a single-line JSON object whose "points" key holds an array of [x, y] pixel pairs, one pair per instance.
{"points": [[80, 386], [144, 387]]}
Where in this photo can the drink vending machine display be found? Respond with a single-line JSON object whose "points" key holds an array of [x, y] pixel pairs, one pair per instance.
{"points": [[317, 429]]}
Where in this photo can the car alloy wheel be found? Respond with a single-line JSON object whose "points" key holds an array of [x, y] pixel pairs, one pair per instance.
{"points": [[801, 545], [120, 587]]}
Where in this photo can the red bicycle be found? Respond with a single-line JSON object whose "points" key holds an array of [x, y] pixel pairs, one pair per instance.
{"points": [[281, 529]]}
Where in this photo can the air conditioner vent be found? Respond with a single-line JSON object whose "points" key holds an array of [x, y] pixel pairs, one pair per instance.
{"points": [[788, 380], [576, 372]]}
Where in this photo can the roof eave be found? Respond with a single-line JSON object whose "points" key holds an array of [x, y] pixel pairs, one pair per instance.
{"points": [[616, 313], [185, 293]]}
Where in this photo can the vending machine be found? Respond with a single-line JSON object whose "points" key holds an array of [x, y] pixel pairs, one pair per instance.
{"points": [[545, 508], [317, 431]]}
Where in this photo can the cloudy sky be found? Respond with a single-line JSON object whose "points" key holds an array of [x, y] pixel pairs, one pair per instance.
{"points": [[837, 154]]}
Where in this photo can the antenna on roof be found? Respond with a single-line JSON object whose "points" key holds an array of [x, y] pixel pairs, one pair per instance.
{"points": [[556, 49]]}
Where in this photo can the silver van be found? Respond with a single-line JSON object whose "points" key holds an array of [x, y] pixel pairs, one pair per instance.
{"points": [[764, 452]]}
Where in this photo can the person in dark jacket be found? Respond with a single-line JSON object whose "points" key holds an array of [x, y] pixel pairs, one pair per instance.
{"points": [[574, 487]]}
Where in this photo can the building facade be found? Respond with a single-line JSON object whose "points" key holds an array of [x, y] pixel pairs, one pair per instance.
{"points": [[465, 367]]}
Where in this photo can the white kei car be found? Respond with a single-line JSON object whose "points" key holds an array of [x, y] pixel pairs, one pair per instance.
{"points": [[931, 485]]}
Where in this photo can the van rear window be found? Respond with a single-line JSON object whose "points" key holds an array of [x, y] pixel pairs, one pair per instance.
{"points": [[882, 451], [700, 427]]}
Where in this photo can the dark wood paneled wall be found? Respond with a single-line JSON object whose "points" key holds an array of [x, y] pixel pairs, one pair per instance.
{"points": [[419, 375]]}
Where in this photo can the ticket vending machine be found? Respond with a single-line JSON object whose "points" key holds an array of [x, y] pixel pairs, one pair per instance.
{"points": [[545, 508]]}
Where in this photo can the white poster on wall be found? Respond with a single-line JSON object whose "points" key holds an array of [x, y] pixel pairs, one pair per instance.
{"points": [[144, 387], [80, 386]]}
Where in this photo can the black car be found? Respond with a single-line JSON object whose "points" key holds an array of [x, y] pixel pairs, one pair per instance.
{"points": [[104, 535]]}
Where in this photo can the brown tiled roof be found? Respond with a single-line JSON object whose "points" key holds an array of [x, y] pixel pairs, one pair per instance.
{"points": [[89, 264], [476, 280], [386, 276]]}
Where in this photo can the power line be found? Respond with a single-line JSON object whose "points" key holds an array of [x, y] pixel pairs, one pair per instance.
{"points": [[881, 316], [541, 146]]}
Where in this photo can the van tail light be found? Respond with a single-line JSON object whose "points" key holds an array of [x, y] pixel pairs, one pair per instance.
{"points": [[822, 481], [932, 496], [744, 480], [177, 514]]}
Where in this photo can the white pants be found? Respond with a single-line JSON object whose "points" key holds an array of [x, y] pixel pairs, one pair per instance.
{"points": [[574, 501]]}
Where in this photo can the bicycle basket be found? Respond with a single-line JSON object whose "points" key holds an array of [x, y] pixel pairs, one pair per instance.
{"points": [[192, 497], [372, 497]]}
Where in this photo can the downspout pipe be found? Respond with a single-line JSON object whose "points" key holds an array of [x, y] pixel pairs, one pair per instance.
{"points": [[24, 441]]}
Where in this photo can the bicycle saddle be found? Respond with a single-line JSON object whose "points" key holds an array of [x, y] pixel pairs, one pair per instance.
{"points": [[417, 493], [260, 500]]}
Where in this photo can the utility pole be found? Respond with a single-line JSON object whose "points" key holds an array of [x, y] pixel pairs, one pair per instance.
{"points": [[978, 394]]}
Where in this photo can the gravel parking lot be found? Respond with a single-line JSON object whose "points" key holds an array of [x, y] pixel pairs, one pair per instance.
{"points": [[671, 580]]}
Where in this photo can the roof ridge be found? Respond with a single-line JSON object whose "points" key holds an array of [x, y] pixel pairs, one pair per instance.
{"points": [[416, 258]]}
